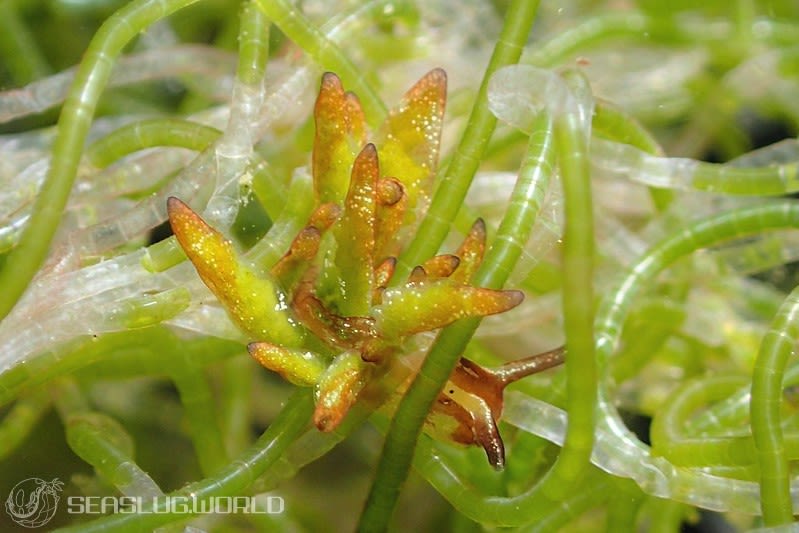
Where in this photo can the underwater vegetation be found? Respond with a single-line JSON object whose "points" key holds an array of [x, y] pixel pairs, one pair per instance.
{"points": [[459, 265]]}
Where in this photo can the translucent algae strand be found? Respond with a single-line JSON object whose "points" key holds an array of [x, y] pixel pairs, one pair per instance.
{"points": [[734, 408], [407, 424], [235, 148], [197, 399], [18, 423], [525, 509], [671, 441], [147, 134], [22, 57], [572, 131], [101, 441], [622, 455], [324, 51], [233, 479], [43, 94], [767, 382], [571, 104], [90, 80], [615, 124], [616, 449], [598, 29], [528, 91], [253, 45], [124, 272], [689, 174], [706, 232]]}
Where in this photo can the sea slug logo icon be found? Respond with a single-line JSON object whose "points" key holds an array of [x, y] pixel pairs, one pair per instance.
{"points": [[33, 501]]}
